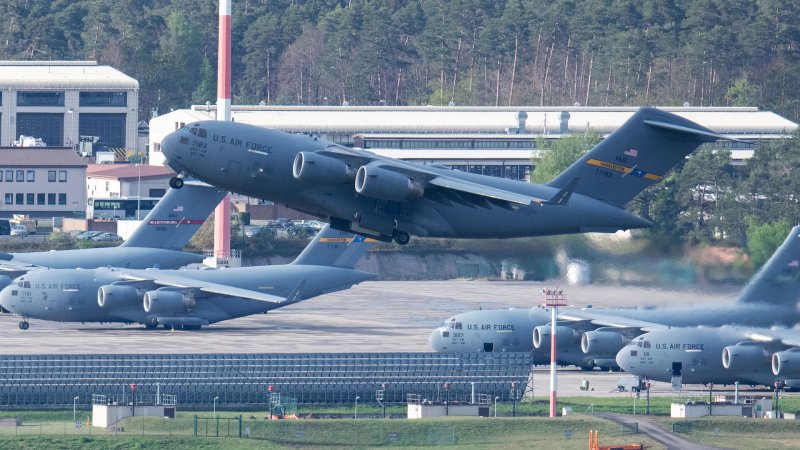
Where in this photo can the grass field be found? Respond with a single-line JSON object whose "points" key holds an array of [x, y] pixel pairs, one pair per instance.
{"points": [[55, 429], [501, 433]]}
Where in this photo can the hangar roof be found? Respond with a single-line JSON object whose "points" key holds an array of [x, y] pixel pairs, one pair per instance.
{"points": [[128, 171], [375, 119], [86, 75]]}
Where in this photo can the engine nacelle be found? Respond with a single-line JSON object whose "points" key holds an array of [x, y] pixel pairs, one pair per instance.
{"points": [[565, 336], [117, 295], [162, 301], [786, 363], [744, 356], [314, 168], [602, 342], [373, 181]]}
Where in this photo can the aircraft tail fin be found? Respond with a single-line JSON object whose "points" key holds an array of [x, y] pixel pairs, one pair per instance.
{"points": [[778, 281], [176, 217], [634, 156], [334, 248]]}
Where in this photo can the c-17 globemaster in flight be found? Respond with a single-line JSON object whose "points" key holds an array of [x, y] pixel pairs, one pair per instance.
{"points": [[157, 242], [188, 298], [359, 191], [592, 337]]}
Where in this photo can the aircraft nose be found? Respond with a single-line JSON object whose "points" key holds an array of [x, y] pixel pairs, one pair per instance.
{"points": [[435, 339], [6, 298], [624, 357], [170, 148]]}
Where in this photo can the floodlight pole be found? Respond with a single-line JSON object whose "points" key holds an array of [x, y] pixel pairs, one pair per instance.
{"points": [[553, 298]]}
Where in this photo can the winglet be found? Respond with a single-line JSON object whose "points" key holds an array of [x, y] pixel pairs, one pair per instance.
{"points": [[562, 196]]}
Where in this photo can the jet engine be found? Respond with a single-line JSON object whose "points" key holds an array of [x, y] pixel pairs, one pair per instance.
{"points": [[744, 356], [312, 167], [117, 295], [565, 336], [598, 342], [376, 182], [786, 363], [165, 301]]}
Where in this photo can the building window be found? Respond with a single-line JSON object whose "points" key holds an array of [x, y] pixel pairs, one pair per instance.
{"points": [[104, 99], [9, 198], [1, 175], [29, 199], [110, 128], [62, 176], [51, 199], [20, 175], [30, 176], [9, 175], [40, 98], [40, 199], [49, 127], [62, 199], [51, 176], [20, 199]]}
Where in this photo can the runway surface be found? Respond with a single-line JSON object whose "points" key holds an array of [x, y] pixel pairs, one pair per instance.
{"points": [[379, 316]]}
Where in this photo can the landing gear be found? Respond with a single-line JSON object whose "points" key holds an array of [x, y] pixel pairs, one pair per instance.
{"points": [[24, 325], [176, 182], [191, 327], [401, 237], [151, 326]]}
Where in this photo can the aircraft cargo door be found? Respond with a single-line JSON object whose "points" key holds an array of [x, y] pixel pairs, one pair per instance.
{"points": [[234, 169], [677, 376]]}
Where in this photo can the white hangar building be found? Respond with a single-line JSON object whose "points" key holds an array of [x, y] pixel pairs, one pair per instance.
{"points": [[496, 141], [59, 101]]}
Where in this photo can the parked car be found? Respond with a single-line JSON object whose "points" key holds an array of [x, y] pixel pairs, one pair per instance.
{"points": [[19, 230], [88, 235], [106, 237]]}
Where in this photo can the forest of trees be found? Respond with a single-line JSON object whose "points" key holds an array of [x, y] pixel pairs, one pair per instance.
{"points": [[470, 52], [395, 52]]}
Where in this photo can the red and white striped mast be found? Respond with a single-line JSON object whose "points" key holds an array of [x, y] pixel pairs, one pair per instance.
{"points": [[553, 298], [222, 214]]}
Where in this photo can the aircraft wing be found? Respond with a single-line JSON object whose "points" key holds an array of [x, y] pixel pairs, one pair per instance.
{"points": [[451, 187], [171, 280], [600, 319], [787, 336]]}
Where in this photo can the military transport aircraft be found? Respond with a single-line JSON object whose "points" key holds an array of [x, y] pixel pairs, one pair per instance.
{"points": [[359, 191], [188, 298], [157, 242], [718, 355], [592, 337]]}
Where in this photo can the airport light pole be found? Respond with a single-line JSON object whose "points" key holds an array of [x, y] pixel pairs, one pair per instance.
{"points": [[74, 409], [139, 190], [553, 298], [495, 405], [215, 406], [356, 412]]}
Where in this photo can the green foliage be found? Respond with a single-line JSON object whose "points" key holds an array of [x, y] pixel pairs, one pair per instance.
{"points": [[561, 153], [705, 52], [763, 239]]}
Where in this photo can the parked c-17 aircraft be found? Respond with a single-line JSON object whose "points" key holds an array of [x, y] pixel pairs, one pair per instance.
{"points": [[718, 355], [187, 298], [157, 242], [592, 337], [389, 199]]}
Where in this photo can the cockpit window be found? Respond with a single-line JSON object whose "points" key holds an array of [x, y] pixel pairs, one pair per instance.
{"points": [[201, 132], [456, 326], [646, 344], [26, 284], [193, 131]]}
